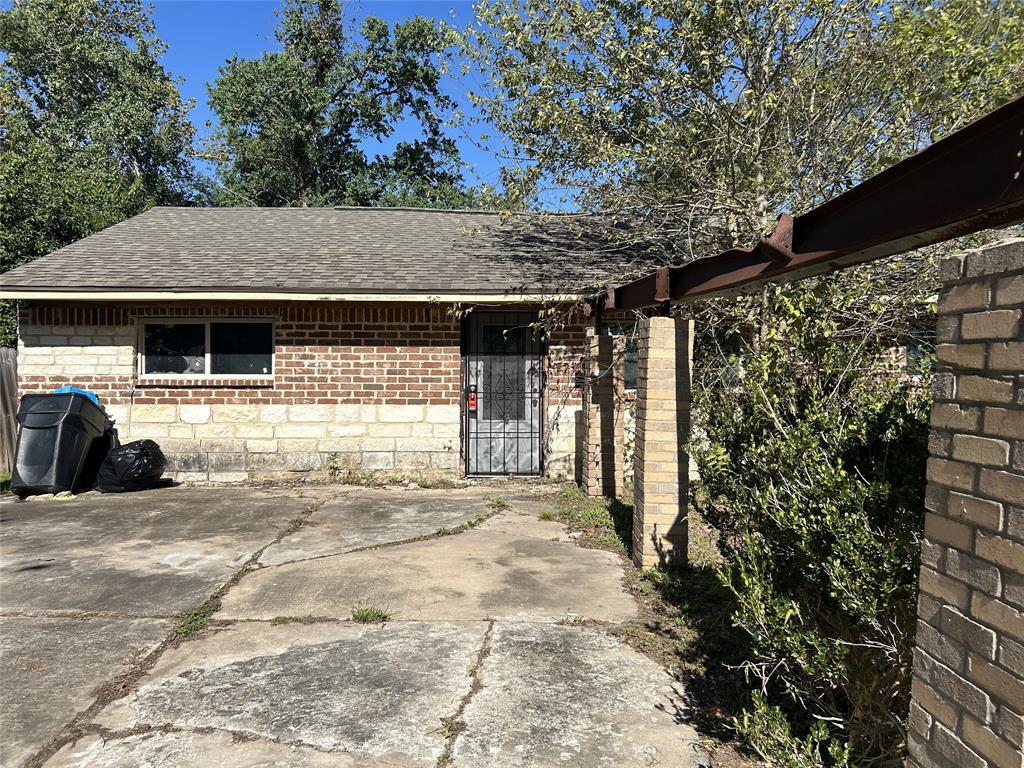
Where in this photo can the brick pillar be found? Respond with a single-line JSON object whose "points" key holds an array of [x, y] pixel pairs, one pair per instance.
{"points": [[660, 463], [602, 398], [968, 692]]}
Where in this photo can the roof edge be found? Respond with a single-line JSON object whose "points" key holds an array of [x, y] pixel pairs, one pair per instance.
{"points": [[377, 209], [50, 294]]}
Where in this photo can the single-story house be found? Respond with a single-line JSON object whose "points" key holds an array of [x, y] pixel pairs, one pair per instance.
{"points": [[250, 342]]}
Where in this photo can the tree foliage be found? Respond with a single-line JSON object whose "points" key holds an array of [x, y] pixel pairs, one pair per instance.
{"points": [[293, 125], [713, 117], [94, 129]]}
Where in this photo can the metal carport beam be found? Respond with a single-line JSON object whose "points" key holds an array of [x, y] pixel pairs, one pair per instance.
{"points": [[971, 180]]}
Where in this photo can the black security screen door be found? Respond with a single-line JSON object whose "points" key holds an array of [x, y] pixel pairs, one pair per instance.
{"points": [[503, 367]]}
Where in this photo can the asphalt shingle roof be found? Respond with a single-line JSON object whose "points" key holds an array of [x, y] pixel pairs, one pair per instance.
{"points": [[331, 250]]}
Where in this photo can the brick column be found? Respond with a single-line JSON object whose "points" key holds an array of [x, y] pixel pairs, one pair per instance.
{"points": [[968, 692], [660, 464], [604, 438]]}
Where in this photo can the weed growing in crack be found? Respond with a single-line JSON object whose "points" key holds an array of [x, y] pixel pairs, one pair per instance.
{"points": [[498, 503], [452, 726], [685, 620], [194, 621], [279, 620], [366, 613], [462, 527]]}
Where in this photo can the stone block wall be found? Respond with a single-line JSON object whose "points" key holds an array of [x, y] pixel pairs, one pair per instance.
{"points": [[359, 387], [968, 689]]}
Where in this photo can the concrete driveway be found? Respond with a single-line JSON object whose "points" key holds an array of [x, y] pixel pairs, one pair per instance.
{"points": [[495, 653]]}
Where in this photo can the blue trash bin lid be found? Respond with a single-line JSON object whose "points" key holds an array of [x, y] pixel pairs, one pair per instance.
{"points": [[65, 390]]}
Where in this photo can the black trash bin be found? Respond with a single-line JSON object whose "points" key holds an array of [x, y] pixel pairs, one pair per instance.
{"points": [[60, 439]]}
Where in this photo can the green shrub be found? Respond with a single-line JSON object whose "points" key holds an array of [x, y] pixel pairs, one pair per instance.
{"points": [[812, 460]]}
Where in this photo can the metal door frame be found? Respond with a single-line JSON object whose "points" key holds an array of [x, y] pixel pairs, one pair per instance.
{"points": [[542, 354]]}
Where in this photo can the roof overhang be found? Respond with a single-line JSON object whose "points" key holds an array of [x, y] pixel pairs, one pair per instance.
{"points": [[55, 294]]}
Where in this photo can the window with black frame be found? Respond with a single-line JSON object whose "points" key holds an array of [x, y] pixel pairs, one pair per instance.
{"points": [[208, 348]]}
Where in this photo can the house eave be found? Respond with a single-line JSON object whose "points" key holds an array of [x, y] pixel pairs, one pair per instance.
{"points": [[53, 294]]}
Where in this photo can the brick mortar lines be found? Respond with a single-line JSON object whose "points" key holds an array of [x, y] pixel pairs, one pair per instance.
{"points": [[968, 694]]}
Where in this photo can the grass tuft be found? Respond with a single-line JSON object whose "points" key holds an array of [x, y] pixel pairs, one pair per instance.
{"points": [[603, 523], [367, 613], [194, 621]]}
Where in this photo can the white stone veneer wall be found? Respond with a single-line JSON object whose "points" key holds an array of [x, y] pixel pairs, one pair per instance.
{"points": [[226, 443]]}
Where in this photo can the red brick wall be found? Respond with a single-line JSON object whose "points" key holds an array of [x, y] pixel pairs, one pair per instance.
{"points": [[324, 353], [565, 359]]}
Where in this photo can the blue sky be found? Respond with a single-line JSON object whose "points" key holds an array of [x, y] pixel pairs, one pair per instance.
{"points": [[203, 34]]}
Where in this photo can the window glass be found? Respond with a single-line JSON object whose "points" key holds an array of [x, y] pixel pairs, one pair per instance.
{"points": [[500, 340], [504, 392], [241, 349], [175, 348]]}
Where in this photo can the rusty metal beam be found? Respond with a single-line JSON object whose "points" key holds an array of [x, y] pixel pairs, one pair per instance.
{"points": [[969, 181]]}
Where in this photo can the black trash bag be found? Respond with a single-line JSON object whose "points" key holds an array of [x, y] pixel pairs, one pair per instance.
{"points": [[132, 467]]}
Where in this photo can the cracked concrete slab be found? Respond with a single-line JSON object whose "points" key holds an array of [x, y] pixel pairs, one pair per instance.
{"points": [[151, 553], [570, 696], [369, 517], [377, 692], [51, 668], [176, 749], [479, 574], [523, 519], [330, 693]]}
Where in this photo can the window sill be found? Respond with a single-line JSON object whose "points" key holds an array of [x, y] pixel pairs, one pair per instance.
{"points": [[205, 382]]}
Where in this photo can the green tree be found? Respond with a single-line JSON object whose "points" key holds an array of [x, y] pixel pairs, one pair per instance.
{"points": [[294, 124], [94, 129], [709, 118]]}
